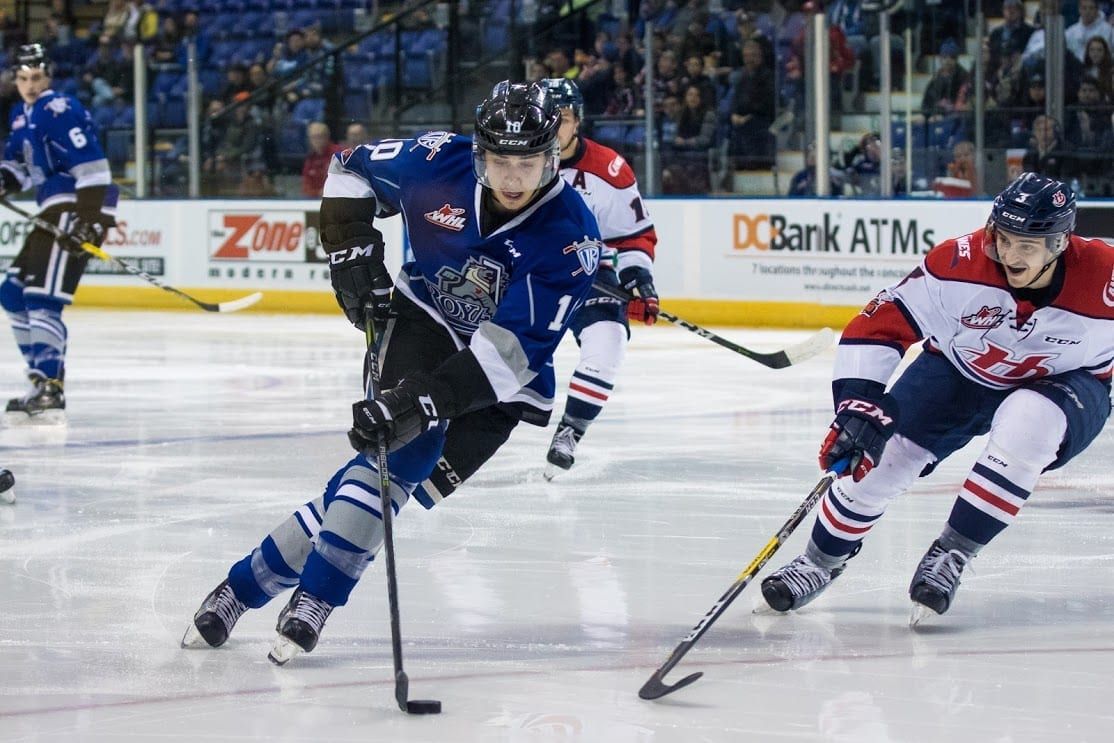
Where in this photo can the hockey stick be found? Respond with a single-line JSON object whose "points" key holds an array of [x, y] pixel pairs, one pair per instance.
{"points": [[230, 306], [794, 354], [371, 391], [655, 687]]}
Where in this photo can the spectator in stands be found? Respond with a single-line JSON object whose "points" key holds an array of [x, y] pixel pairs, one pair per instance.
{"points": [[537, 71], [316, 165], [255, 183], [697, 40], [191, 29], [841, 62], [63, 20], [1087, 126], [320, 78], [1099, 66], [626, 97], [1091, 23], [686, 170], [121, 21], [942, 97], [288, 55], [355, 135], [167, 45], [627, 56], [752, 112], [241, 141], [109, 74], [963, 161], [865, 168], [670, 118], [1013, 34], [11, 33], [1046, 154], [235, 82], [1033, 98], [696, 74], [745, 30], [803, 182], [257, 77], [595, 81], [666, 78], [558, 62]]}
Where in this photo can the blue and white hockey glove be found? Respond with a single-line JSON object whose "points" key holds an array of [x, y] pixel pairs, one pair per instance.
{"points": [[644, 307], [402, 413], [862, 426], [357, 272]]}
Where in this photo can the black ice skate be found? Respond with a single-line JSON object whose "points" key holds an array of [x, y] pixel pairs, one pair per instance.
{"points": [[214, 621], [16, 410], [49, 405], [561, 448], [796, 584], [299, 626], [935, 581]]}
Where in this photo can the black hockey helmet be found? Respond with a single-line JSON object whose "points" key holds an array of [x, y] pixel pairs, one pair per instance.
{"points": [[31, 56], [1036, 206], [565, 94], [517, 119]]}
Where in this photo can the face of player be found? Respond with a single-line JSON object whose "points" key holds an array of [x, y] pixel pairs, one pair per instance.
{"points": [[514, 179], [1023, 257], [567, 132], [31, 82]]}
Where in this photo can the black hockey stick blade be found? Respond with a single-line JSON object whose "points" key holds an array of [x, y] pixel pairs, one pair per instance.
{"points": [[656, 688], [413, 706]]}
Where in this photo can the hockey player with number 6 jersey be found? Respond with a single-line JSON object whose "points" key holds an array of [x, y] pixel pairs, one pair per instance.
{"points": [[504, 255], [1017, 321], [607, 184]]}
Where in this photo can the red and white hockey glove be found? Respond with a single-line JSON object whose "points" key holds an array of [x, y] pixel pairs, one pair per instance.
{"points": [[861, 428], [643, 307]]}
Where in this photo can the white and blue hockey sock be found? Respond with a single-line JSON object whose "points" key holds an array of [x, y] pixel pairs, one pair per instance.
{"points": [[602, 348], [47, 336], [11, 299]]}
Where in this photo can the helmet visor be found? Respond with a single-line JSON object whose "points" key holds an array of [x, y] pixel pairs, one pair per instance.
{"points": [[1017, 249], [515, 173]]}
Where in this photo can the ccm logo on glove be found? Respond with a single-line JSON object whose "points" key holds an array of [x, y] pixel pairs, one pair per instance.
{"points": [[867, 409]]}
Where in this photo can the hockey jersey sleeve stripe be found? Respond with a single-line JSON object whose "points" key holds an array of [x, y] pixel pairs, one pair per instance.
{"points": [[637, 258], [872, 361], [92, 173], [343, 184], [502, 359], [631, 236]]}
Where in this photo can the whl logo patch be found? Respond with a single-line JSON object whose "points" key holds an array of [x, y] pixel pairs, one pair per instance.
{"points": [[986, 318], [448, 217]]}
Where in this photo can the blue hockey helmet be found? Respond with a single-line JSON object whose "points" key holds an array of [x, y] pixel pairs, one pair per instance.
{"points": [[32, 56], [1035, 206], [566, 94], [517, 119]]}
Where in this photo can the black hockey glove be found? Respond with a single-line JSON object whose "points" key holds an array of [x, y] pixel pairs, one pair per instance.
{"points": [[402, 413], [357, 272], [85, 228], [9, 184], [862, 426], [643, 308]]}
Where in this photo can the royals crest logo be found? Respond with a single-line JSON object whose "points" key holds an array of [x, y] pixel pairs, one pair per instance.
{"points": [[448, 216], [433, 141], [587, 252]]}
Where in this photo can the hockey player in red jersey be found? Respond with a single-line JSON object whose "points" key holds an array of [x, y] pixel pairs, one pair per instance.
{"points": [[1018, 327], [607, 184]]}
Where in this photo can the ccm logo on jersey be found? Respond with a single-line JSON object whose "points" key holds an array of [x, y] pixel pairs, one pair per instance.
{"points": [[448, 216], [1061, 341], [869, 409]]}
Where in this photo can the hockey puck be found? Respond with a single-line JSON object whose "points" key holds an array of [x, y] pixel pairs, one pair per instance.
{"points": [[423, 706]]}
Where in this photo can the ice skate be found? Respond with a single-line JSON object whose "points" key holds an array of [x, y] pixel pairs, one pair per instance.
{"points": [[796, 584], [15, 413], [561, 448], [299, 626], [7, 486], [214, 621], [48, 405], [935, 582]]}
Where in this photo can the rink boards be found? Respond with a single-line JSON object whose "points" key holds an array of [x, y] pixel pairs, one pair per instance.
{"points": [[753, 262]]}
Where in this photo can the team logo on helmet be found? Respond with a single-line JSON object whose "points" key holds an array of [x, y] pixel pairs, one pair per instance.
{"points": [[1059, 199]]}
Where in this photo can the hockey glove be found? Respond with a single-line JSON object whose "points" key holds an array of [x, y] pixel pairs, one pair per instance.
{"points": [[402, 413], [644, 307], [357, 272], [9, 184], [84, 228], [861, 428]]}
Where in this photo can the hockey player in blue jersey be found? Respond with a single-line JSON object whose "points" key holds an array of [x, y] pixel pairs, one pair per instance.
{"points": [[504, 254], [53, 149]]}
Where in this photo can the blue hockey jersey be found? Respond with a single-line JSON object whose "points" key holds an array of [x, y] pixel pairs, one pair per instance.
{"points": [[53, 148], [507, 295]]}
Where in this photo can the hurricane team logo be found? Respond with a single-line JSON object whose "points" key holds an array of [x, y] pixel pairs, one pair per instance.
{"points": [[587, 252], [448, 216], [1059, 199]]}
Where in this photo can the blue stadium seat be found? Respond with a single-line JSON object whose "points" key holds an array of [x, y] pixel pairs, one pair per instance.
{"points": [[357, 103], [417, 70], [612, 135], [307, 110], [635, 138], [118, 146], [125, 118], [103, 116]]}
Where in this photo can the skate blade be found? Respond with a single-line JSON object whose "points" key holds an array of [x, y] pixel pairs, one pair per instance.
{"points": [[8, 496], [283, 651], [919, 614], [193, 640], [551, 471], [48, 418], [763, 609]]}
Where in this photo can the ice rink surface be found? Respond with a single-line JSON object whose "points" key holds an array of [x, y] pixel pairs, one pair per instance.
{"points": [[533, 610]]}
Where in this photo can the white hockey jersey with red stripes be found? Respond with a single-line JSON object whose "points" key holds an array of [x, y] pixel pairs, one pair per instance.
{"points": [[607, 184], [959, 301]]}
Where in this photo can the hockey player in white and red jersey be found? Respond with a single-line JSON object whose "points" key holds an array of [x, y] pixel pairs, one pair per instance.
{"points": [[607, 184], [1018, 327]]}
